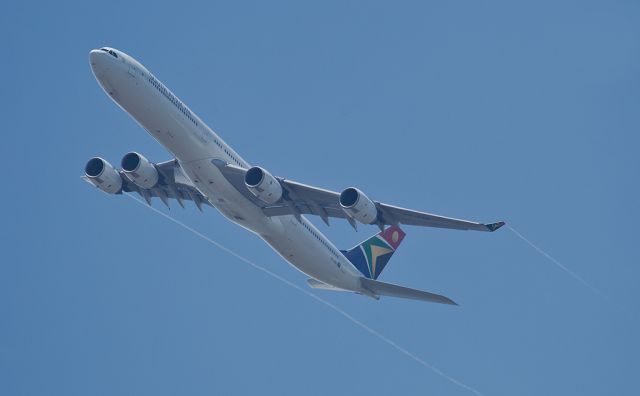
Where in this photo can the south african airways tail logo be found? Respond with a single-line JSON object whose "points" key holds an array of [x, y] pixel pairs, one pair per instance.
{"points": [[372, 255]]}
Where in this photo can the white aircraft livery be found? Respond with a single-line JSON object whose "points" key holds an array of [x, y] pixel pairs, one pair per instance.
{"points": [[207, 171]]}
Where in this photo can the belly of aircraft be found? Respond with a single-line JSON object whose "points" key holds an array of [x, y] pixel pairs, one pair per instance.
{"points": [[284, 234]]}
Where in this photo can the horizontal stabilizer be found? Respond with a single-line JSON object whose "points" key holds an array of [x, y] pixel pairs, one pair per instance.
{"points": [[316, 284], [388, 289]]}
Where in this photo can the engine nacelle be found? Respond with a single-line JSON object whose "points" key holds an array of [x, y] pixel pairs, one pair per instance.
{"points": [[358, 205], [140, 170], [263, 185], [102, 175]]}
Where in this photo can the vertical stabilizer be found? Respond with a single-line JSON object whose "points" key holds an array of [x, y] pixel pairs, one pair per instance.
{"points": [[371, 256]]}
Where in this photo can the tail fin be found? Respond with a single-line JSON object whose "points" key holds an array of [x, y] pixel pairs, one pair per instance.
{"points": [[371, 256]]}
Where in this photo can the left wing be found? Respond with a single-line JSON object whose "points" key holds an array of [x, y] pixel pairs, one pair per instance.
{"points": [[300, 199]]}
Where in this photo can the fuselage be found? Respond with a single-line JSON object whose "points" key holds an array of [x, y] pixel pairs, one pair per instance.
{"points": [[195, 146]]}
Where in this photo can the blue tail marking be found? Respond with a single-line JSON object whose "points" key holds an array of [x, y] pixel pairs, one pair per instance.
{"points": [[371, 256]]}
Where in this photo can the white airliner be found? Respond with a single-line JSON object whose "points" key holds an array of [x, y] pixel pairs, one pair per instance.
{"points": [[209, 172]]}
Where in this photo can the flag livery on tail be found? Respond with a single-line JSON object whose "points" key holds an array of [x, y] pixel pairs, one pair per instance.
{"points": [[371, 256]]}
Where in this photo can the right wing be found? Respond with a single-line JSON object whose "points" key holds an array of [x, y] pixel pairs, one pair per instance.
{"points": [[172, 184]]}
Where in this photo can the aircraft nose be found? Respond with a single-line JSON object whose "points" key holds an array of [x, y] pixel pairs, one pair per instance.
{"points": [[96, 62], [102, 66], [97, 59]]}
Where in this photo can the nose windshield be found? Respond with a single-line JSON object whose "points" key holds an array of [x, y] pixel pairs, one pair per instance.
{"points": [[110, 52]]}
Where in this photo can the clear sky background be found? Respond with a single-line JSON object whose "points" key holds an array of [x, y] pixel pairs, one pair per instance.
{"points": [[522, 111]]}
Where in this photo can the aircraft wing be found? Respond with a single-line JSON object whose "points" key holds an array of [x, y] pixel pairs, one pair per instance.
{"points": [[300, 198], [172, 184]]}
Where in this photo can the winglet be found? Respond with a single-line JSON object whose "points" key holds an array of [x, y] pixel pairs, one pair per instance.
{"points": [[494, 226]]}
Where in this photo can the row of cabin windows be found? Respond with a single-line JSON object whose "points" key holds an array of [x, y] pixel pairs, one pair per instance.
{"points": [[173, 100], [322, 241], [230, 155], [184, 111]]}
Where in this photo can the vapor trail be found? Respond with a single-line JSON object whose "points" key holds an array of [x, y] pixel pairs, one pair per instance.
{"points": [[556, 262], [313, 296]]}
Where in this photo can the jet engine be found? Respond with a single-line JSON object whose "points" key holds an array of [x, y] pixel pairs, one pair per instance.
{"points": [[263, 185], [102, 175], [358, 206], [139, 170]]}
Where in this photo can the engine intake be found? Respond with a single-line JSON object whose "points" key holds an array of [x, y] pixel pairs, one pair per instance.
{"points": [[102, 175], [263, 185], [358, 206], [140, 170]]}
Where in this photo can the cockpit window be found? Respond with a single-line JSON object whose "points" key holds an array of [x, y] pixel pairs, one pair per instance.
{"points": [[110, 52]]}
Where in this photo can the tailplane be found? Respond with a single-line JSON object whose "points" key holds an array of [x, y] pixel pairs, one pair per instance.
{"points": [[371, 256], [374, 288]]}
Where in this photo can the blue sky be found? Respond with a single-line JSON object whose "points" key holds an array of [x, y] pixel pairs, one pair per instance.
{"points": [[487, 111]]}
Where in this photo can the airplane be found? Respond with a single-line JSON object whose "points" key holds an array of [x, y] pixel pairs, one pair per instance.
{"points": [[208, 172]]}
